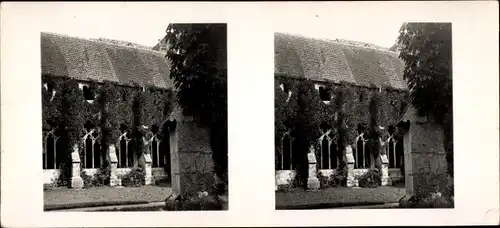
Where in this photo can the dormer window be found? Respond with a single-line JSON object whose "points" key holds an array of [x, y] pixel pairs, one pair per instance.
{"points": [[286, 89], [324, 94], [88, 92], [49, 86]]}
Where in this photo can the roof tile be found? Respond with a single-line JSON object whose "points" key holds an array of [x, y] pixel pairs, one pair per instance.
{"points": [[323, 60], [95, 60]]}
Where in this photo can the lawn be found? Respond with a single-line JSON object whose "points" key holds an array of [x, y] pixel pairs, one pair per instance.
{"points": [[337, 197], [64, 198]]}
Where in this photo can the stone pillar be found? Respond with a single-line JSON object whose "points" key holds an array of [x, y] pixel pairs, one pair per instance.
{"points": [[312, 180], [425, 159], [76, 179], [192, 167], [351, 182], [384, 170], [113, 163], [146, 163]]}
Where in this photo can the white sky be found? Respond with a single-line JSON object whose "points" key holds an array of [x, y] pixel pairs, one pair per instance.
{"points": [[125, 21]]}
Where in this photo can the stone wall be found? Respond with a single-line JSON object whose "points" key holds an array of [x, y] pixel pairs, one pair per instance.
{"points": [[190, 154], [425, 159]]}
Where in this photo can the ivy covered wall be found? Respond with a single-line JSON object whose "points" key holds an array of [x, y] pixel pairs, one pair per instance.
{"points": [[109, 107], [301, 108]]}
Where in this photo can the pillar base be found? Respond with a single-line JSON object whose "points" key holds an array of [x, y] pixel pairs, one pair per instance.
{"points": [[313, 183], [352, 183], [76, 182], [148, 180], [115, 182], [386, 181]]}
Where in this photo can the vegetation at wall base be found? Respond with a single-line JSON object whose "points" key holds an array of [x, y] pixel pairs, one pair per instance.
{"points": [[370, 179], [134, 178]]}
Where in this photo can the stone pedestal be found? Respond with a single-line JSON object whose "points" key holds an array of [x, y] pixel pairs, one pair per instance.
{"points": [[425, 166], [312, 180], [113, 162], [351, 182], [192, 167], [146, 163], [384, 170], [76, 179]]}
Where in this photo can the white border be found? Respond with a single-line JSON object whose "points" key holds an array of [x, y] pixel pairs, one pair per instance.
{"points": [[251, 124]]}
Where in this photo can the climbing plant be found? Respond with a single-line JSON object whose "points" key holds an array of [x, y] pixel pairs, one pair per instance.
{"points": [[111, 109], [303, 112], [426, 49]]}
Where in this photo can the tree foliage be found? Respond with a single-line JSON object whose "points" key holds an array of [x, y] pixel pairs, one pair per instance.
{"points": [[426, 49], [199, 70]]}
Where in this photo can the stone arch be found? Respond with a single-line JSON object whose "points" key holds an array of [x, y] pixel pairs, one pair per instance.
{"points": [[124, 147], [91, 146], [286, 158]]}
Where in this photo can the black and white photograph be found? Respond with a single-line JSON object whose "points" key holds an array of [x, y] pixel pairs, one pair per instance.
{"points": [[256, 114], [135, 126], [360, 125]]}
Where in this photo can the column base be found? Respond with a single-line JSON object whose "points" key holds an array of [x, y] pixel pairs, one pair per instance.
{"points": [[352, 183], [76, 182], [115, 182], [386, 181], [313, 183], [148, 180]]}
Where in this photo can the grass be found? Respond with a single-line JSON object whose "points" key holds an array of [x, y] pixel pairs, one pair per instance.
{"points": [[64, 198], [89, 204], [337, 197]]}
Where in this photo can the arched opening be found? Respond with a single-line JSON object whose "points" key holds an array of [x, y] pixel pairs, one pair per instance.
{"points": [[50, 151], [88, 93], [325, 155], [359, 155], [367, 153], [165, 148], [122, 153], [324, 94], [154, 152], [333, 156], [97, 155], [287, 152], [399, 154], [124, 145], [391, 155], [88, 154], [295, 153], [130, 154], [91, 146]]}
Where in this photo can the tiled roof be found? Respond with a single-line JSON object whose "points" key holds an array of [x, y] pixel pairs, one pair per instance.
{"points": [[337, 61], [85, 59]]}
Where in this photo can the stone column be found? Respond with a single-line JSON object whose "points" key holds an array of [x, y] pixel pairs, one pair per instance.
{"points": [[146, 163], [76, 179], [113, 163], [351, 182], [312, 180], [425, 159], [384, 171], [192, 167]]}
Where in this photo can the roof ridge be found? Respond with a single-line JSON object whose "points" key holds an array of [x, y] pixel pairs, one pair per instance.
{"points": [[346, 42], [103, 42]]}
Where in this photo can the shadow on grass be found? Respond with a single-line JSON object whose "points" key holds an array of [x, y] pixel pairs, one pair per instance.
{"points": [[325, 205], [195, 206], [89, 204]]}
